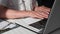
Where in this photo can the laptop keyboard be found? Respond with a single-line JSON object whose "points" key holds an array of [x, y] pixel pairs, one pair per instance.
{"points": [[36, 27]]}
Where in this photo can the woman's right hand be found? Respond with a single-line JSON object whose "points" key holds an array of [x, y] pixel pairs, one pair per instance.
{"points": [[38, 14]]}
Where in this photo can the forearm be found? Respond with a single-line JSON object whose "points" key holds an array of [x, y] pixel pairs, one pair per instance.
{"points": [[9, 13], [16, 14]]}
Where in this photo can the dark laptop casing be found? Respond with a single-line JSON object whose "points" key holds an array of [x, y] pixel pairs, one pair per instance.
{"points": [[53, 22]]}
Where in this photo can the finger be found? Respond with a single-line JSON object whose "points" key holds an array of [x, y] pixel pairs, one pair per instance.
{"points": [[44, 15], [45, 12], [46, 8], [38, 15], [43, 9]]}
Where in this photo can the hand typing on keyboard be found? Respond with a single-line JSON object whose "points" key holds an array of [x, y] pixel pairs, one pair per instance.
{"points": [[44, 11]]}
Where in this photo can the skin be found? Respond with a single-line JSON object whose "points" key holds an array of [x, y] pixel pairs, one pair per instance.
{"points": [[43, 10], [39, 12]]}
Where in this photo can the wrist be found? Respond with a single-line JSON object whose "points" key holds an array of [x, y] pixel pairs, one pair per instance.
{"points": [[25, 13], [29, 13]]}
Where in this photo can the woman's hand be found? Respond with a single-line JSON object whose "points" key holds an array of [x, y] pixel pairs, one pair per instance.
{"points": [[37, 14], [44, 11]]}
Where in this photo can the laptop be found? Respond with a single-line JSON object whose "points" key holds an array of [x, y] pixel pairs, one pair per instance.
{"points": [[25, 28], [53, 23]]}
